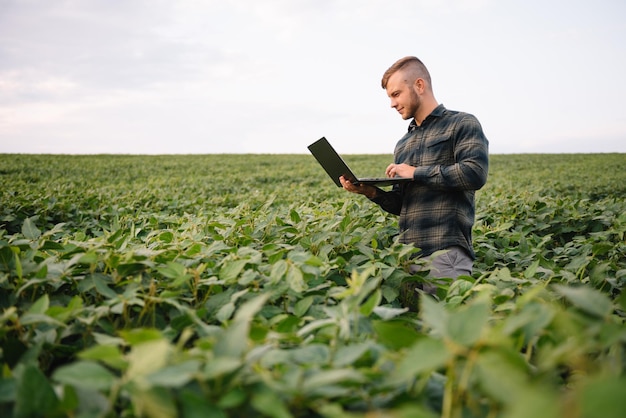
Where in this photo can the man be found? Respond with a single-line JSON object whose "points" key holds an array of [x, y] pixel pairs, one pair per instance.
{"points": [[446, 154]]}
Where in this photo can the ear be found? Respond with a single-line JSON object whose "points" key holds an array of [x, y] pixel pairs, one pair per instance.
{"points": [[419, 85]]}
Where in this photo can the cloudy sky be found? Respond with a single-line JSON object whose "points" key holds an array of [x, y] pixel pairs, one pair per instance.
{"points": [[272, 76]]}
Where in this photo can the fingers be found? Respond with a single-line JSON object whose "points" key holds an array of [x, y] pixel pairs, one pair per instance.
{"points": [[347, 185], [391, 170]]}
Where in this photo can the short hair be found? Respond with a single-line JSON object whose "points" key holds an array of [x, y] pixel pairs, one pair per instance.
{"points": [[413, 64]]}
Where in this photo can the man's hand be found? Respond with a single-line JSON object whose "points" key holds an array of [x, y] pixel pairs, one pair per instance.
{"points": [[399, 170], [364, 189]]}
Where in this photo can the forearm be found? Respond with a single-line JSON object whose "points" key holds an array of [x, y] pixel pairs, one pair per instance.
{"points": [[470, 166], [465, 175], [389, 201]]}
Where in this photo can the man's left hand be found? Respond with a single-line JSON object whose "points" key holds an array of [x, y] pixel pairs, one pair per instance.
{"points": [[399, 170]]}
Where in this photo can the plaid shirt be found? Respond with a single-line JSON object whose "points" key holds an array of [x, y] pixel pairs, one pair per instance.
{"points": [[436, 210]]}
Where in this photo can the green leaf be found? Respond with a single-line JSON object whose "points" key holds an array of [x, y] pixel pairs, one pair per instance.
{"points": [[325, 378], [466, 325], [587, 299], [141, 335], [172, 270], [387, 313], [231, 270], [311, 354], [371, 303], [7, 390], [295, 279], [302, 306], [251, 307], [347, 355], [34, 394], [40, 306], [501, 375], [29, 229], [175, 376], [395, 334], [279, 269], [147, 357], [434, 315], [85, 374], [426, 355], [603, 397], [195, 405], [269, 404], [108, 354], [155, 402], [100, 282]]}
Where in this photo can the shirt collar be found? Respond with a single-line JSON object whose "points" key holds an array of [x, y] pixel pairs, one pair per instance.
{"points": [[437, 112]]}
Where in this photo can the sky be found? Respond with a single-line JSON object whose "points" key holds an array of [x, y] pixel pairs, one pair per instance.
{"points": [[273, 76]]}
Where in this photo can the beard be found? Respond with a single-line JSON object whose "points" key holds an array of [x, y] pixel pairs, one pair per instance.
{"points": [[410, 110]]}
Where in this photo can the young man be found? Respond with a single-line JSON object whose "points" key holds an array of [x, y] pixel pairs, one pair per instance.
{"points": [[446, 154]]}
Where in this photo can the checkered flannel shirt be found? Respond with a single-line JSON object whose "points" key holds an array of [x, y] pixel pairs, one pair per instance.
{"points": [[436, 210]]}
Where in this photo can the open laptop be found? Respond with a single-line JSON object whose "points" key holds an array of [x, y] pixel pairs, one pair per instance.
{"points": [[336, 167]]}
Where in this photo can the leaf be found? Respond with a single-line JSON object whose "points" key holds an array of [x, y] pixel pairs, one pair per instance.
{"points": [[231, 270], [99, 281], [225, 312], [501, 375], [434, 315], [195, 405], [371, 303], [250, 308], [85, 374], [172, 270], [221, 366], [426, 355], [108, 354], [587, 299], [395, 334], [302, 306], [175, 376], [40, 306], [234, 340], [269, 404], [34, 393], [147, 357], [7, 390], [310, 354], [29, 229], [603, 397], [140, 335], [387, 313], [331, 377], [347, 355], [466, 325], [295, 279], [155, 402]]}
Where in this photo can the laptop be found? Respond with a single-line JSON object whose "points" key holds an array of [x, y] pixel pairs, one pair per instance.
{"points": [[336, 167]]}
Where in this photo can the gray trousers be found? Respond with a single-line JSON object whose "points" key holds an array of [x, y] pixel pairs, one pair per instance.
{"points": [[449, 263]]}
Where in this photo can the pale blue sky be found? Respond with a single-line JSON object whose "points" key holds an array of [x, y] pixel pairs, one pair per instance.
{"points": [[272, 76]]}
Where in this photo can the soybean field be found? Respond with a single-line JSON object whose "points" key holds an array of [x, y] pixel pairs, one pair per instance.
{"points": [[251, 286]]}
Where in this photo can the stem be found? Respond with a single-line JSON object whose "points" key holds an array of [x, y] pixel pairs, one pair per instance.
{"points": [[448, 392]]}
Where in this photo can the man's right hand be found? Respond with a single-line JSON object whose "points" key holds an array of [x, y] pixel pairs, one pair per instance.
{"points": [[364, 189]]}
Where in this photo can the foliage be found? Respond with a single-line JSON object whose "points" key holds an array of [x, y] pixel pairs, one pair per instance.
{"points": [[249, 285]]}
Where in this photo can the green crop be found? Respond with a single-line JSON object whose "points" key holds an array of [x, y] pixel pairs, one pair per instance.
{"points": [[250, 285]]}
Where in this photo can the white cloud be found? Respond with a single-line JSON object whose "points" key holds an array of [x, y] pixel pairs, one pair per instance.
{"points": [[274, 75]]}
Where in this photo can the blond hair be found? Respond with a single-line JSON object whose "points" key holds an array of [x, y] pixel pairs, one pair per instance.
{"points": [[412, 66]]}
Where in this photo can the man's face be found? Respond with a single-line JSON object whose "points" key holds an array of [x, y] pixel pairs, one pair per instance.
{"points": [[403, 96]]}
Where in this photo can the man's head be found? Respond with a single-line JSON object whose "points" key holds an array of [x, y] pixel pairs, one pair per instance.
{"points": [[412, 68], [408, 86]]}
